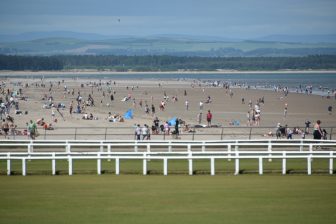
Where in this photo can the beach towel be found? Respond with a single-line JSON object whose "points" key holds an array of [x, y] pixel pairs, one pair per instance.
{"points": [[129, 114]]}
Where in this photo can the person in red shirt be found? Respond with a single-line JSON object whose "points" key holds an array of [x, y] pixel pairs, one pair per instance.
{"points": [[209, 118]]}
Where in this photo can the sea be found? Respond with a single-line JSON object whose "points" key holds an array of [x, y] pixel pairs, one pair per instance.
{"points": [[319, 83]]}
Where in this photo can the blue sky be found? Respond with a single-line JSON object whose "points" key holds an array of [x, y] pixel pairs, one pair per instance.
{"points": [[235, 18]]}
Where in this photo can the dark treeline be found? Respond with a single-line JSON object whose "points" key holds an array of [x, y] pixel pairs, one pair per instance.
{"points": [[165, 63]]}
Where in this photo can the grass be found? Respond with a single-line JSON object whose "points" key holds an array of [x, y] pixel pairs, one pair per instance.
{"points": [[167, 199], [224, 198]]}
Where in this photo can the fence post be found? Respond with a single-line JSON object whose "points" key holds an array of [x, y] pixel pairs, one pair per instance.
{"points": [[284, 163], [260, 166], [101, 148], [105, 133], [164, 135], [165, 166], [99, 163], [45, 134], [169, 146], [24, 170], [144, 164], [237, 164], [212, 166], [117, 167], [222, 133], [270, 150], [309, 168], [8, 164], [190, 163], [53, 165], [109, 151], [301, 145], [229, 152], [250, 133], [331, 163], [70, 165], [136, 146], [236, 146], [203, 146], [193, 135]]}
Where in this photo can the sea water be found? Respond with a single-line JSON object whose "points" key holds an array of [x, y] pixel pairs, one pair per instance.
{"points": [[321, 83]]}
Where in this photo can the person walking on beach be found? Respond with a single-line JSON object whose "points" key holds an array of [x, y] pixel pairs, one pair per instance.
{"points": [[330, 110], [5, 127], [32, 129], [199, 117], [285, 110], [138, 132], [209, 118], [177, 132], [187, 104], [153, 110], [317, 130], [71, 108], [201, 105]]}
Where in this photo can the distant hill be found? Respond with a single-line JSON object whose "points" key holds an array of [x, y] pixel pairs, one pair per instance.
{"points": [[300, 38], [72, 43]]}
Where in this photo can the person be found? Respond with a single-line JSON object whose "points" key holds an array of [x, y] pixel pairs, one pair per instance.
{"points": [[201, 105], [330, 110], [177, 132], [32, 129], [145, 132], [307, 123], [324, 134], [138, 132], [317, 130], [156, 125], [285, 110], [289, 133], [5, 127], [71, 108], [153, 110], [199, 117], [209, 118], [166, 128], [187, 104]]}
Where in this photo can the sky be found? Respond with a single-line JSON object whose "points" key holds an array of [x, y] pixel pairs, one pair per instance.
{"points": [[223, 18]]}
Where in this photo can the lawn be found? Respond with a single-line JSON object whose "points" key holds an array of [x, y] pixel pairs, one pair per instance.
{"points": [[168, 199]]}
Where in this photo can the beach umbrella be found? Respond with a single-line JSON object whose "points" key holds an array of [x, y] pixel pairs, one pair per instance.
{"points": [[172, 121]]}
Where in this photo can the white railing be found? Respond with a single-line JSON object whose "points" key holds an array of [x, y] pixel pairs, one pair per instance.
{"points": [[167, 150]]}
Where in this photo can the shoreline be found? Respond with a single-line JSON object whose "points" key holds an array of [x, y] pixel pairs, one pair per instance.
{"points": [[96, 72]]}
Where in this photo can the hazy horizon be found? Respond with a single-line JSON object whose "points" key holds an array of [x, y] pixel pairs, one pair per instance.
{"points": [[239, 19]]}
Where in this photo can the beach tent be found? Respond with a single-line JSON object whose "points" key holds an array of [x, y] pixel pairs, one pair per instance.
{"points": [[129, 114], [172, 121]]}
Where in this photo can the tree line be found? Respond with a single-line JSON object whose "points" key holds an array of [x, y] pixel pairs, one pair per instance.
{"points": [[164, 63]]}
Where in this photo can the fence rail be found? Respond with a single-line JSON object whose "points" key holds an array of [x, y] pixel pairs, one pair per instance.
{"points": [[126, 133], [164, 150]]}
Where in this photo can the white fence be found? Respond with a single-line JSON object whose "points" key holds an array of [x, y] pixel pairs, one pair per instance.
{"points": [[167, 150]]}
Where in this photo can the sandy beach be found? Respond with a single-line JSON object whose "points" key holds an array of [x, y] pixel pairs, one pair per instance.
{"points": [[226, 109]]}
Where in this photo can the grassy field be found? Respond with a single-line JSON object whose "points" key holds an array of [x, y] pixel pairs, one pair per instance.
{"points": [[168, 199], [133, 198]]}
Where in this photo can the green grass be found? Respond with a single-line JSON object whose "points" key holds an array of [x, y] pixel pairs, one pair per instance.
{"points": [[168, 199]]}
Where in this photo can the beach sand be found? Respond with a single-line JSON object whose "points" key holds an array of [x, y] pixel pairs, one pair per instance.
{"points": [[224, 108]]}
